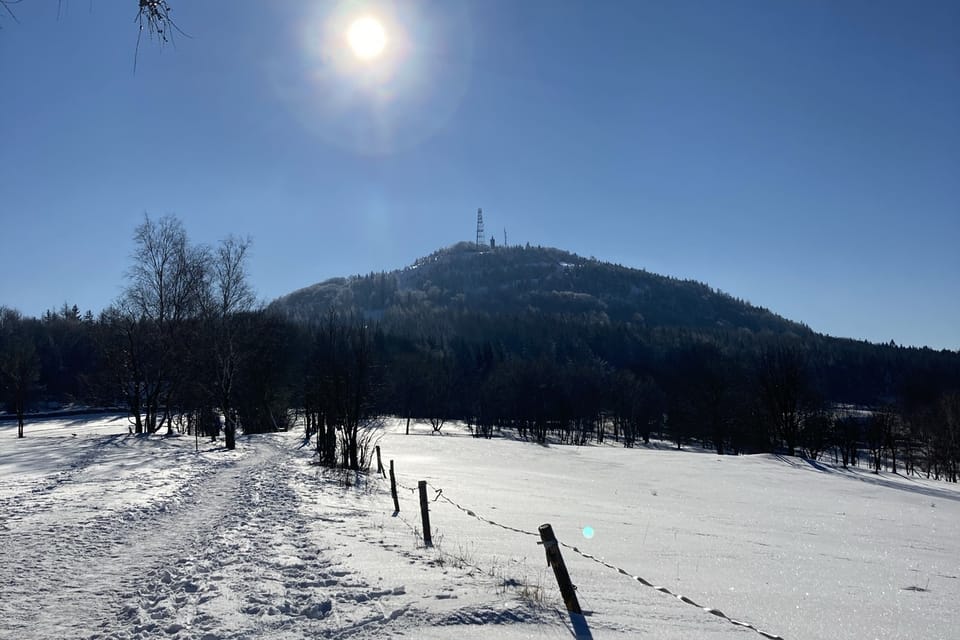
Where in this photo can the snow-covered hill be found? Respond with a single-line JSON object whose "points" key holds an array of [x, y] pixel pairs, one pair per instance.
{"points": [[107, 535], [517, 280]]}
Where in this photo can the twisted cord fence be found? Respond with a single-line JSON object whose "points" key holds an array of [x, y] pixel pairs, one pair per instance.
{"points": [[682, 598], [406, 488], [473, 514]]}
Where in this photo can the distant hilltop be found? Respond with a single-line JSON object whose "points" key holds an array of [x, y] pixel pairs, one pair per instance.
{"points": [[468, 277]]}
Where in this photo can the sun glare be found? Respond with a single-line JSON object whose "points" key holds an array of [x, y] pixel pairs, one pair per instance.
{"points": [[372, 82], [367, 38]]}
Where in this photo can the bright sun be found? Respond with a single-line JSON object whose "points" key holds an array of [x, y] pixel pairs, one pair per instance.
{"points": [[367, 38]]}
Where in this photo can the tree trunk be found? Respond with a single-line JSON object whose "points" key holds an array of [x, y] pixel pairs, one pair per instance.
{"points": [[229, 437]]}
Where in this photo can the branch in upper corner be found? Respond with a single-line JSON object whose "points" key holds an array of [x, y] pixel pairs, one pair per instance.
{"points": [[5, 4], [154, 16]]}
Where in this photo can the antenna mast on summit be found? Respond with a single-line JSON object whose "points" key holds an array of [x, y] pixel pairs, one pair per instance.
{"points": [[481, 240]]}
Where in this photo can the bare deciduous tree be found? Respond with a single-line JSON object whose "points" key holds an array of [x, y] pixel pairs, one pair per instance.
{"points": [[166, 288], [226, 298]]}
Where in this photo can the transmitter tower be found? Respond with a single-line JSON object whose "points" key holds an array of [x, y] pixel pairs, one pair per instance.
{"points": [[481, 239]]}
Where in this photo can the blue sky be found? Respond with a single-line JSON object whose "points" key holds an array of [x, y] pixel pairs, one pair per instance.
{"points": [[803, 155]]}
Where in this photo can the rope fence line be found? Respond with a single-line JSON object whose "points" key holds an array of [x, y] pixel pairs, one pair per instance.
{"points": [[682, 598], [406, 488], [417, 532], [473, 514]]}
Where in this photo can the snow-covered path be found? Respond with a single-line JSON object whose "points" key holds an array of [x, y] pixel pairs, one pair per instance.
{"points": [[246, 564], [142, 538], [228, 555]]}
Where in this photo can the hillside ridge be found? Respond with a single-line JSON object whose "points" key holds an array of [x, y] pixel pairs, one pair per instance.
{"points": [[522, 279]]}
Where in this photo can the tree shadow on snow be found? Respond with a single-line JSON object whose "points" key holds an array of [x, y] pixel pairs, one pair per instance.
{"points": [[902, 483]]}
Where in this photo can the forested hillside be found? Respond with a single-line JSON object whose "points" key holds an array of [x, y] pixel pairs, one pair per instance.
{"points": [[517, 280], [525, 299]]}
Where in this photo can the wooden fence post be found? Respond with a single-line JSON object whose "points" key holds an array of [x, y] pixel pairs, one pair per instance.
{"points": [[425, 514], [393, 490], [555, 560], [380, 464]]}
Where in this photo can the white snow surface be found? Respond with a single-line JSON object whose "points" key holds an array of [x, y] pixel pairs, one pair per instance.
{"points": [[108, 535]]}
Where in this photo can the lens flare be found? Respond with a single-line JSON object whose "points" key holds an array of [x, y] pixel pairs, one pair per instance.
{"points": [[588, 532]]}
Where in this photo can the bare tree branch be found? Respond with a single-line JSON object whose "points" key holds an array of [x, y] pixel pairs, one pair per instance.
{"points": [[6, 6], [154, 16]]}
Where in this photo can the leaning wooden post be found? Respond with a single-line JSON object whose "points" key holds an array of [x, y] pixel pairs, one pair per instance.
{"points": [[425, 514], [555, 560], [393, 489], [380, 464]]}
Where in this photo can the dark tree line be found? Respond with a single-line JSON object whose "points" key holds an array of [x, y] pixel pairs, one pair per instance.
{"points": [[545, 376], [186, 348]]}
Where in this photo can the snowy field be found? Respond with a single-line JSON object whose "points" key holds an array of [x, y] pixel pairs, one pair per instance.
{"points": [[107, 535]]}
